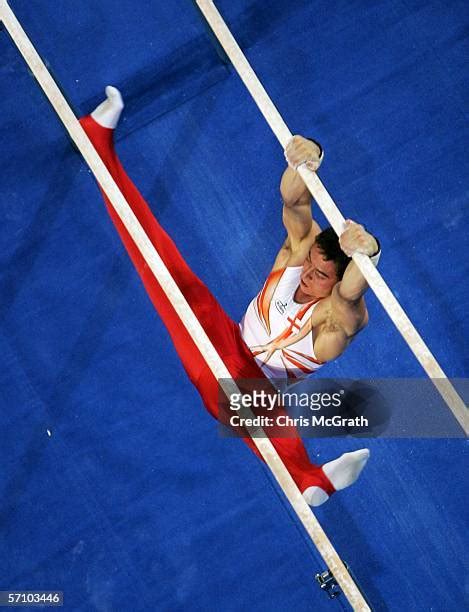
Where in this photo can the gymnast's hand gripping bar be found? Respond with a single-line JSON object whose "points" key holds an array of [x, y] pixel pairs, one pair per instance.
{"points": [[335, 218]]}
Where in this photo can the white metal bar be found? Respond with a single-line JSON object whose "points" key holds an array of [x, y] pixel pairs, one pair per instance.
{"points": [[335, 218], [96, 165]]}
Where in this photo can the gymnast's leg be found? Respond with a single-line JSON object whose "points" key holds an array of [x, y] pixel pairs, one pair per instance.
{"points": [[222, 331]]}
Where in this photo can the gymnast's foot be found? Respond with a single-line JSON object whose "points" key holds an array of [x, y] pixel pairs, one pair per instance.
{"points": [[342, 473], [108, 112]]}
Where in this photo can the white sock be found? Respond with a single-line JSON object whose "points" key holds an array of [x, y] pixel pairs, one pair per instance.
{"points": [[342, 472], [315, 496], [108, 112]]}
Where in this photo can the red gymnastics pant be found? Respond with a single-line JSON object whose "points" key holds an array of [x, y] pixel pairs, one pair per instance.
{"points": [[222, 331]]}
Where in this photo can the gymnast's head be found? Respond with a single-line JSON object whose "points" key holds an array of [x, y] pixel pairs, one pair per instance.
{"points": [[324, 266]]}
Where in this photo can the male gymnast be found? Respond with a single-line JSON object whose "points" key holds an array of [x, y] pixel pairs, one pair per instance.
{"points": [[309, 310]]}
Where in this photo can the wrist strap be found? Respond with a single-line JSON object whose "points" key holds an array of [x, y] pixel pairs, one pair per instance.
{"points": [[375, 257]]}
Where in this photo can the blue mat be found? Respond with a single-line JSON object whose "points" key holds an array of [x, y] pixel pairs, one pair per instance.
{"points": [[115, 485]]}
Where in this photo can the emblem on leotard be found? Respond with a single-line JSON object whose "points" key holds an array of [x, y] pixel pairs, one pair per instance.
{"points": [[281, 306]]}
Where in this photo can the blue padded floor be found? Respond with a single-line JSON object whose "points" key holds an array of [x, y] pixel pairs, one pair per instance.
{"points": [[115, 486]]}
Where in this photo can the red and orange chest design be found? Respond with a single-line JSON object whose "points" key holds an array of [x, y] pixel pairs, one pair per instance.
{"points": [[282, 319]]}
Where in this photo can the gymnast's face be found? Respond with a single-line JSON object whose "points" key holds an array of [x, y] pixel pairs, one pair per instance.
{"points": [[318, 276]]}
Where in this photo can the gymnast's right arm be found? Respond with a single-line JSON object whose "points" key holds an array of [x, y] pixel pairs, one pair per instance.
{"points": [[297, 216]]}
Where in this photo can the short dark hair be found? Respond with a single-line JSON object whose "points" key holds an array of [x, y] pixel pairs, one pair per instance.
{"points": [[328, 243]]}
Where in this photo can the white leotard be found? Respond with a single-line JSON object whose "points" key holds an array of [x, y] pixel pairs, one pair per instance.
{"points": [[272, 315]]}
